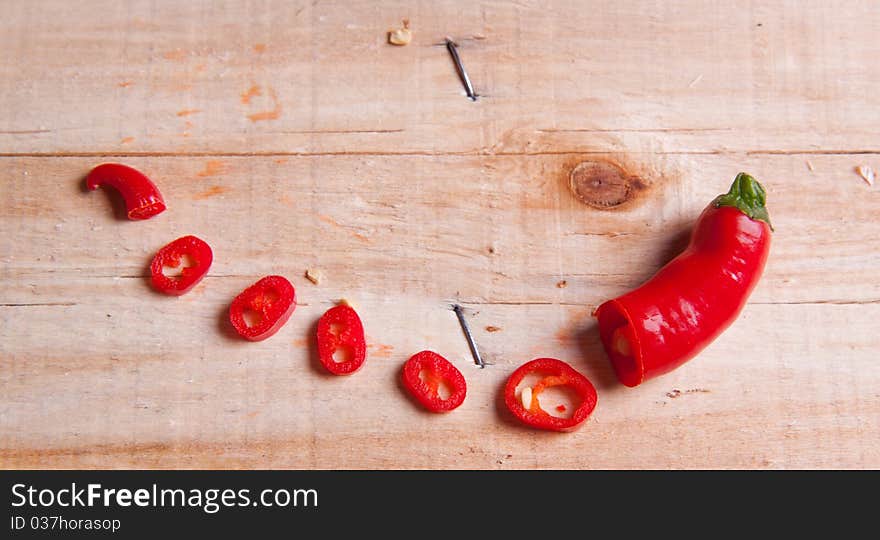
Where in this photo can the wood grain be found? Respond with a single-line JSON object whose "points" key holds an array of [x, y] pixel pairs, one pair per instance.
{"points": [[292, 137]]}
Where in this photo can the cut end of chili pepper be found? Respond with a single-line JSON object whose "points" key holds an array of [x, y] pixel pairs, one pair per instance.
{"points": [[434, 382], [544, 376], [146, 209], [342, 347], [263, 308], [141, 196], [748, 196], [619, 342]]}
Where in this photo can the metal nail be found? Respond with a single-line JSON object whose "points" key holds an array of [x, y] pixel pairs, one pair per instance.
{"points": [[469, 88], [467, 334]]}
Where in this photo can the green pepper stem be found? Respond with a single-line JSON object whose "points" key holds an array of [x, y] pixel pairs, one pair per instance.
{"points": [[748, 196]]}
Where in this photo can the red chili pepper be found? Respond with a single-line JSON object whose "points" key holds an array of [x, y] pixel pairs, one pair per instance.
{"points": [[524, 404], [696, 296], [340, 332], [199, 256], [142, 197], [423, 375], [263, 308]]}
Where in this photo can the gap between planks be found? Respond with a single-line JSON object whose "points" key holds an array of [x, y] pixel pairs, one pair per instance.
{"points": [[441, 154], [444, 305]]}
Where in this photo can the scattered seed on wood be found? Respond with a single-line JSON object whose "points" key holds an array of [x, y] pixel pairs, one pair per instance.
{"points": [[493, 328], [314, 276], [562, 284], [347, 302], [867, 174], [810, 165], [400, 36]]}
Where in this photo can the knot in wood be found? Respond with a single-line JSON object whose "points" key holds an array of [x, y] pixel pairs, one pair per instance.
{"points": [[602, 184]]}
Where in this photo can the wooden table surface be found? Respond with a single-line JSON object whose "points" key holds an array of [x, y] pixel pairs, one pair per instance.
{"points": [[292, 136]]}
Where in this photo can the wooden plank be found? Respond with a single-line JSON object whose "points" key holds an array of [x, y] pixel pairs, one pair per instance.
{"points": [[761, 396], [98, 370], [282, 77], [477, 228]]}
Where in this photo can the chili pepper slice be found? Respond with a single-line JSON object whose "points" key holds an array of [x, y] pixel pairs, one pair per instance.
{"points": [[689, 302], [141, 196], [263, 308], [524, 403], [423, 375], [340, 332], [198, 254]]}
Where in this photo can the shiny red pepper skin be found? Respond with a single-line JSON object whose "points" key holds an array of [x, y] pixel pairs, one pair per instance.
{"points": [[696, 296], [270, 300], [198, 252], [437, 370], [554, 373], [141, 196], [341, 328]]}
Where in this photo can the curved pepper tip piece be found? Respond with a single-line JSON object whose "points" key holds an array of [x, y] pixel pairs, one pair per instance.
{"points": [[141, 196]]}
